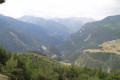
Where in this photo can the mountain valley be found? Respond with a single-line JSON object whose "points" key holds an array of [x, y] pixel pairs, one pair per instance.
{"points": [[95, 45]]}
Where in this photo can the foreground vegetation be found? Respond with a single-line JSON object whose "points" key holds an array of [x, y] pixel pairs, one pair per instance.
{"points": [[30, 66], [3, 77]]}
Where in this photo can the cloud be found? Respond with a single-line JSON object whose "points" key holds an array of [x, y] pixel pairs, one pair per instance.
{"points": [[97, 9]]}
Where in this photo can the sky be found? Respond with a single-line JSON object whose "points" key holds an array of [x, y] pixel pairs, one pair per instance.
{"points": [[96, 9]]}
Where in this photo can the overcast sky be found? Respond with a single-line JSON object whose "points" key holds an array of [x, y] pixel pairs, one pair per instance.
{"points": [[97, 9]]}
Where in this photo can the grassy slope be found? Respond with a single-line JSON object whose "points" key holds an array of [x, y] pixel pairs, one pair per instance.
{"points": [[91, 35], [107, 56], [110, 46], [108, 61], [3, 77]]}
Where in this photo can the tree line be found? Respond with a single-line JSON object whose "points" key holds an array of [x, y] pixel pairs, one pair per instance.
{"points": [[30, 66]]}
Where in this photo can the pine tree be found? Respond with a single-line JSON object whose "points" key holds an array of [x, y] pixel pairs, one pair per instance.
{"points": [[3, 56], [12, 68], [29, 68]]}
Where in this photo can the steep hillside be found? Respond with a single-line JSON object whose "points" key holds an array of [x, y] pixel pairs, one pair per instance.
{"points": [[109, 46], [19, 36], [95, 45], [74, 23], [53, 52], [91, 35], [55, 28], [108, 61], [106, 56]]}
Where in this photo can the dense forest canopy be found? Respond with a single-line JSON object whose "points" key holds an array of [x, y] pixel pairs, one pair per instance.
{"points": [[30, 66]]}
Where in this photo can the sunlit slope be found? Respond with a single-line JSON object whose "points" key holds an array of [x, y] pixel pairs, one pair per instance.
{"points": [[3, 77], [95, 45], [92, 34], [107, 56], [110, 46]]}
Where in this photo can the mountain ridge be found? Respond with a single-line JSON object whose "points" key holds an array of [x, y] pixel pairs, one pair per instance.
{"points": [[91, 31], [74, 23], [90, 36], [50, 25], [24, 36]]}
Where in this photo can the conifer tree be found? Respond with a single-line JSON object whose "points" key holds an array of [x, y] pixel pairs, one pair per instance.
{"points": [[12, 68], [3, 57], [29, 68]]}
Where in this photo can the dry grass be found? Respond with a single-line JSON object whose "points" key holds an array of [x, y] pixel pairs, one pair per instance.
{"points": [[66, 64], [3, 77], [110, 46]]}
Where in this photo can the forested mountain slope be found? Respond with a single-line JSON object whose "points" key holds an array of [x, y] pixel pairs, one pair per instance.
{"points": [[92, 34], [107, 56], [24, 36], [30, 66], [95, 45], [55, 28]]}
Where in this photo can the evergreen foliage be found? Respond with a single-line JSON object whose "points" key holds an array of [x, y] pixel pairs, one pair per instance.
{"points": [[30, 66]]}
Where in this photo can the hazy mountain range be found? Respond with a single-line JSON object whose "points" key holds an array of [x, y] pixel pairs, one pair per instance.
{"points": [[83, 47], [26, 36], [74, 23], [55, 28], [93, 34], [31, 33], [55, 39]]}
